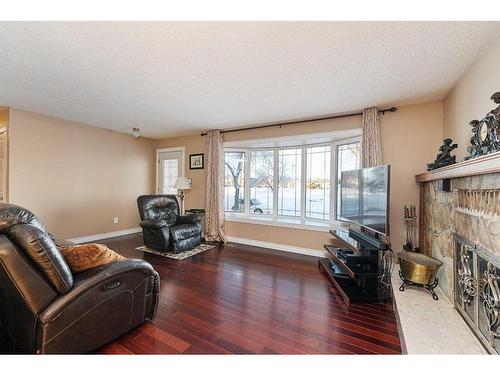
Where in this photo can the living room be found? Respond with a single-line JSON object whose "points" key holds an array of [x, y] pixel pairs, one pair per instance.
{"points": [[262, 187]]}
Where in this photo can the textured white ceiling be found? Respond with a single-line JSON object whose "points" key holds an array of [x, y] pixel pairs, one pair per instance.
{"points": [[171, 78]]}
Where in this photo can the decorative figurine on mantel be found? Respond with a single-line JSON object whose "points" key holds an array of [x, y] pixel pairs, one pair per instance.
{"points": [[486, 133], [495, 112], [444, 158]]}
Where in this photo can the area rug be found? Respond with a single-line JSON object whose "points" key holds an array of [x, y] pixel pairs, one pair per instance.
{"points": [[185, 254]]}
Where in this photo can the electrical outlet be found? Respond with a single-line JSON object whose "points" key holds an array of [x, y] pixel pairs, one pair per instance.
{"points": [[115, 220]]}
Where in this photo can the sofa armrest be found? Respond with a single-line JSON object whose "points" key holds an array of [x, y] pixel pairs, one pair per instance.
{"points": [[153, 224], [105, 303], [107, 278], [188, 219]]}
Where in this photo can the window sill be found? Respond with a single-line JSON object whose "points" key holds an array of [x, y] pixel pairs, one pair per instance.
{"points": [[294, 223]]}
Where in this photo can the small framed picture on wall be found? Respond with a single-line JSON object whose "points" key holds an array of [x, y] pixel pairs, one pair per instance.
{"points": [[196, 161]]}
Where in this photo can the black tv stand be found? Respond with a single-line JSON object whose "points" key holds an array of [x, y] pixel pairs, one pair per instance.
{"points": [[357, 282], [367, 239]]}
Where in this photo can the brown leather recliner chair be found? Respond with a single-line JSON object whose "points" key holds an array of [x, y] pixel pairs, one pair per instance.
{"points": [[44, 308]]}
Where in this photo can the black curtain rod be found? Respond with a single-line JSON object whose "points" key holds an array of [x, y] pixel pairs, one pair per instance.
{"points": [[280, 124]]}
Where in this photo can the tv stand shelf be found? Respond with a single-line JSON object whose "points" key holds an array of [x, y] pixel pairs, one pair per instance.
{"points": [[332, 253], [351, 270], [346, 286], [355, 283]]}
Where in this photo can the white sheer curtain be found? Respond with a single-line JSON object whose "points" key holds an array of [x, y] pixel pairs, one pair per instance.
{"points": [[371, 150], [214, 196]]}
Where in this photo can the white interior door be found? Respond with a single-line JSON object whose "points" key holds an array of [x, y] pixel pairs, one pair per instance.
{"points": [[170, 166]]}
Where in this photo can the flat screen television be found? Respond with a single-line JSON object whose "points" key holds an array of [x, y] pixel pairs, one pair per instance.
{"points": [[364, 198]]}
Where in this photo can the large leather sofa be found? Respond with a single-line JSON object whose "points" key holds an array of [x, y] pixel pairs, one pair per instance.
{"points": [[45, 308], [163, 228]]}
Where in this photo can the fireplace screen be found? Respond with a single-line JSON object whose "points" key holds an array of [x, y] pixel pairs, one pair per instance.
{"points": [[477, 293]]}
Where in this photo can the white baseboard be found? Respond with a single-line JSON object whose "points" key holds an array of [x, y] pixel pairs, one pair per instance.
{"points": [[280, 247], [102, 236], [244, 241]]}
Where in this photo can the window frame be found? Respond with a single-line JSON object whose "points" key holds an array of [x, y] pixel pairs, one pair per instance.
{"points": [[248, 156], [333, 202], [302, 219], [332, 150], [301, 183], [245, 174]]}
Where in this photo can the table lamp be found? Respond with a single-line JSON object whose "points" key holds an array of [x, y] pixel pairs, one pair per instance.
{"points": [[182, 183]]}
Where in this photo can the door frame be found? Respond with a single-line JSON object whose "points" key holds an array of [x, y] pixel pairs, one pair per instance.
{"points": [[169, 149]]}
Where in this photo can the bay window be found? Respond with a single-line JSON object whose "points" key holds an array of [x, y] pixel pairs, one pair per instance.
{"points": [[261, 182], [289, 181], [293, 184], [318, 182], [234, 181]]}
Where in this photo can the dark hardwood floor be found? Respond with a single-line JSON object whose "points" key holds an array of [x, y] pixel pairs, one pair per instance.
{"points": [[244, 299]]}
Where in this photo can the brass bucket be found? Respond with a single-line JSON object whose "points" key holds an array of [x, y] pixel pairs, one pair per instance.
{"points": [[418, 268]]}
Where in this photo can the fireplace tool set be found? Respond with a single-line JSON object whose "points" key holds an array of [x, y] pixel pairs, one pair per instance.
{"points": [[411, 228], [416, 269]]}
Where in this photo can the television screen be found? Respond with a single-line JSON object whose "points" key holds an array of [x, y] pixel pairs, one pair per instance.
{"points": [[364, 197]]}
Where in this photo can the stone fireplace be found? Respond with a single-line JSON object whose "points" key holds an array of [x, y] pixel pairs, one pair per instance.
{"points": [[460, 225]]}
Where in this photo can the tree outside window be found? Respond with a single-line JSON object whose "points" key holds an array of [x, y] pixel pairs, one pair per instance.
{"points": [[234, 181], [262, 182]]}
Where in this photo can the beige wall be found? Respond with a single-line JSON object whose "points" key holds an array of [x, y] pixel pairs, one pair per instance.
{"points": [[470, 98], [410, 136], [76, 178], [4, 116], [286, 236]]}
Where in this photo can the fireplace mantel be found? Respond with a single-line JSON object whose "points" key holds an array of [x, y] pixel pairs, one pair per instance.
{"points": [[472, 167]]}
